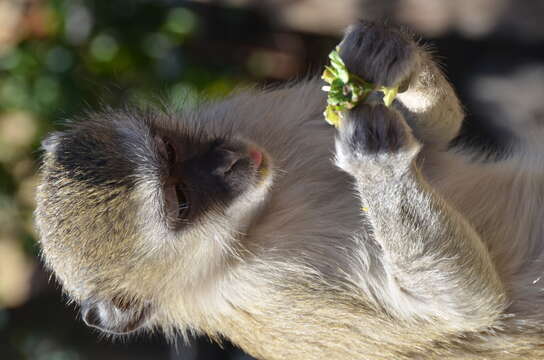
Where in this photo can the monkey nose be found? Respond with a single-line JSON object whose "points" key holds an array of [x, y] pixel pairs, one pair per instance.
{"points": [[256, 157]]}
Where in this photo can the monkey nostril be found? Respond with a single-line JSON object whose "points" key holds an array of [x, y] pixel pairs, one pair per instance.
{"points": [[228, 169], [232, 159]]}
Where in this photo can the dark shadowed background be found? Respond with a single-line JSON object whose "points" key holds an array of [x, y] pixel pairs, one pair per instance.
{"points": [[60, 57]]}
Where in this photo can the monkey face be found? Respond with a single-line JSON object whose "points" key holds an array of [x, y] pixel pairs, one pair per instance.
{"points": [[132, 205], [210, 176]]}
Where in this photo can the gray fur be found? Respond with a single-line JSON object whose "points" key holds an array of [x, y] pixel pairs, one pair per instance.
{"points": [[373, 242]]}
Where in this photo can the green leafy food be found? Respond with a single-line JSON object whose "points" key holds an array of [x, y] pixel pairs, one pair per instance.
{"points": [[389, 94], [346, 90]]}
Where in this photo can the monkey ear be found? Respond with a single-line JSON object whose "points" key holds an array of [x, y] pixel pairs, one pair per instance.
{"points": [[107, 317]]}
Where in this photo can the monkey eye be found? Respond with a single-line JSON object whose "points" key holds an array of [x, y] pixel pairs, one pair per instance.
{"points": [[177, 204], [182, 203], [166, 149]]}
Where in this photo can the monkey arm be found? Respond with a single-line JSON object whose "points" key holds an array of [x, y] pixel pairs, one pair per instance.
{"points": [[435, 263], [430, 105]]}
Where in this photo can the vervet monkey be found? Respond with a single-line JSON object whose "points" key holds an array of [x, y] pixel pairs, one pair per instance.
{"points": [[254, 220]]}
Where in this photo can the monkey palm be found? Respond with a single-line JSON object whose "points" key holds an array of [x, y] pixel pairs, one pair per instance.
{"points": [[232, 220]]}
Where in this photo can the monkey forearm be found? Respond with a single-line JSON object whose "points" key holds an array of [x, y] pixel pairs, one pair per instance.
{"points": [[430, 104], [429, 249], [433, 259], [433, 254]]}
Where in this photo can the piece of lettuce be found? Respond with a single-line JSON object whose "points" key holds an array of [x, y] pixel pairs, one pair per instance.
{"points": [[346, 90]]}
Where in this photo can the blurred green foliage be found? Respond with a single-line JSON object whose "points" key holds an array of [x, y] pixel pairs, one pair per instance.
{"points": [[83, 47]]}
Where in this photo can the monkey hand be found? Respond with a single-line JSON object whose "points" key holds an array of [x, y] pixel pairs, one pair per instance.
{"points": [[347, 90], [372, 52], [389, 57], [374, 143], [380, 55]]}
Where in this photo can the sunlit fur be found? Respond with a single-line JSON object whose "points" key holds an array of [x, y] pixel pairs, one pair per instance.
{"points": [[296, 269]]}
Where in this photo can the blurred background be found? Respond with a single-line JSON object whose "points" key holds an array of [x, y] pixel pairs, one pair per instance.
{"points": [[60, 57]]}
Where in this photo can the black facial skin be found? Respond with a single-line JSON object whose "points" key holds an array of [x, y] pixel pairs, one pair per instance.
{"points": [[197, 172], [200, 175]]}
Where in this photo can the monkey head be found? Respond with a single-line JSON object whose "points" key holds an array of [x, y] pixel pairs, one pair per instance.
{"points": [[132, 205]]}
